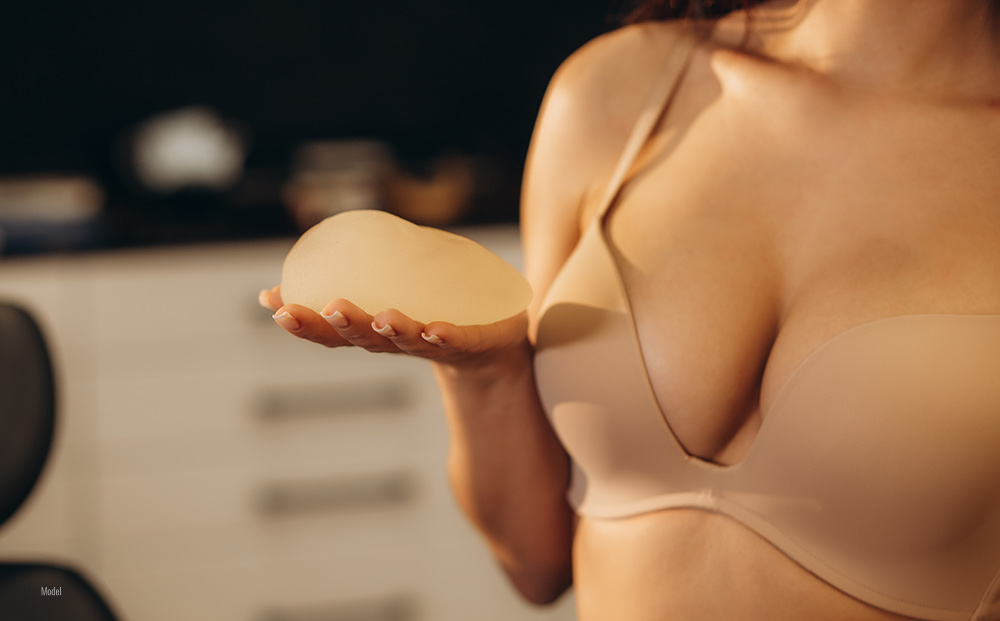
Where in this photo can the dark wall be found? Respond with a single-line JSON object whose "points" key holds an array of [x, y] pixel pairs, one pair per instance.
{"points": [[424, 75]]}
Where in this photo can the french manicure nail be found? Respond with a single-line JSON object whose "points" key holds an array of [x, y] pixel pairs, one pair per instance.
{"points": [[431, 338], [336, 320], [286, 321], [385, 330]]}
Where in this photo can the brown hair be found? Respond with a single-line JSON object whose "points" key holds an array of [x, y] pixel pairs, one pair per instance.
{"points": [[648, 10]]}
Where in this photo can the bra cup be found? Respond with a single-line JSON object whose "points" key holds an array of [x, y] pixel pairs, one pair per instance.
{"points": [[887, 436], [876, 468], [593, 429]]}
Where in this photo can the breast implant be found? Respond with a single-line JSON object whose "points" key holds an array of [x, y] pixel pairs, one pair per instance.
{"points": [[379, 261]]}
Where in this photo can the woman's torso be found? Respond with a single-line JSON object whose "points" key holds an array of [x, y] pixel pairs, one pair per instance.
{"points": [[773, 212]]}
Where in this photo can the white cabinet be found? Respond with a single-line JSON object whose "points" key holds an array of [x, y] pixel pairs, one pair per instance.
{"points": [[209, 466]]}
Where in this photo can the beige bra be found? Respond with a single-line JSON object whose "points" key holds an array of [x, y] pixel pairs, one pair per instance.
{"points": [[877, 468]]}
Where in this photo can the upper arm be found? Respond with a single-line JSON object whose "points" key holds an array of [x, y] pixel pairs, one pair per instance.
{"points": [[586, 116]]}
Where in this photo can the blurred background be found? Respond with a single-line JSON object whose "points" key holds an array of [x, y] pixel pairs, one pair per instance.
{"points": [[157, 161], [138, 123]]}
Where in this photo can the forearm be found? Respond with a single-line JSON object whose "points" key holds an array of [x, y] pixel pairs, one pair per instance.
{"points": [[509, 471], [507, 468]]}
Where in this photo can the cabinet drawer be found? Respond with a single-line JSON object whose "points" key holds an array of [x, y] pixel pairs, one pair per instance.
{"points": [[240, 388], [336, 538], [255, 494], [356, 441], [167, 293]]}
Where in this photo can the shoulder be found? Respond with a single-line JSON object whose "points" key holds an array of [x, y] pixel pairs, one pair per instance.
{"points": [[596, 95], [609, 77], [589, 109]]}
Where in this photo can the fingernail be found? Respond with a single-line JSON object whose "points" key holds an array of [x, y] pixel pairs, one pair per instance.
{"points": [[431, 338], [264, 297], [337, 319], [286, 321], [385, 330]]}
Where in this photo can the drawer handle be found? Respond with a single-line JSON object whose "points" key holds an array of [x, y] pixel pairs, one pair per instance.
{"points": [[391, 608], [384, 395], [336, 494]]}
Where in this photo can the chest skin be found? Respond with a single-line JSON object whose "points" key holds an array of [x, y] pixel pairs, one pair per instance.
{"points": [[771, 211]]}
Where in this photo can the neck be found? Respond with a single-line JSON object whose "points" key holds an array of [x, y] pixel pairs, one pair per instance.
{"points": [[947, 46]]}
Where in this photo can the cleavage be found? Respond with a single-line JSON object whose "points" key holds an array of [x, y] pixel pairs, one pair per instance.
{"points": [[705, 317]]}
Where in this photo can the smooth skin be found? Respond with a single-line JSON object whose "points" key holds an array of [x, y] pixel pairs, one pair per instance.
{"points": [[836, 165]]}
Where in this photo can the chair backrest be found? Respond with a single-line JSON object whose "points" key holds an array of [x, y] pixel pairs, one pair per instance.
{"points": [[27, 406]]}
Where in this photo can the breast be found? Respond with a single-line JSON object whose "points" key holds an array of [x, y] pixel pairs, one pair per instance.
{"points": [[876, 468], [594, 386], [886, 438]]}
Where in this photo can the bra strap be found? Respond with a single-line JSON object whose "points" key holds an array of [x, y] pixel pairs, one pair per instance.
{"points": [[674, 65]]}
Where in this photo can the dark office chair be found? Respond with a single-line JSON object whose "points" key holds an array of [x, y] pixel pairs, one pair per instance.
{"points": [[32, 591]]}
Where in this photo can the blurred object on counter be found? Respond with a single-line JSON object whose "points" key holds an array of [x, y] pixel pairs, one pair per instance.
{"points": [[184, 149], [330, 177], [440, 199], [49, 212]]}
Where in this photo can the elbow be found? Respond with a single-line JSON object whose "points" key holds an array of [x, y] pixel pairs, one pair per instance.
{"points": [[546, 597], [543, 587]]}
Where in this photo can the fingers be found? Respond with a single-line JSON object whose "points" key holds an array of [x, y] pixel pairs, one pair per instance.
{"points": [[406, 334], [342, 323], [271, 298], [354, 325], [308, 324]]}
